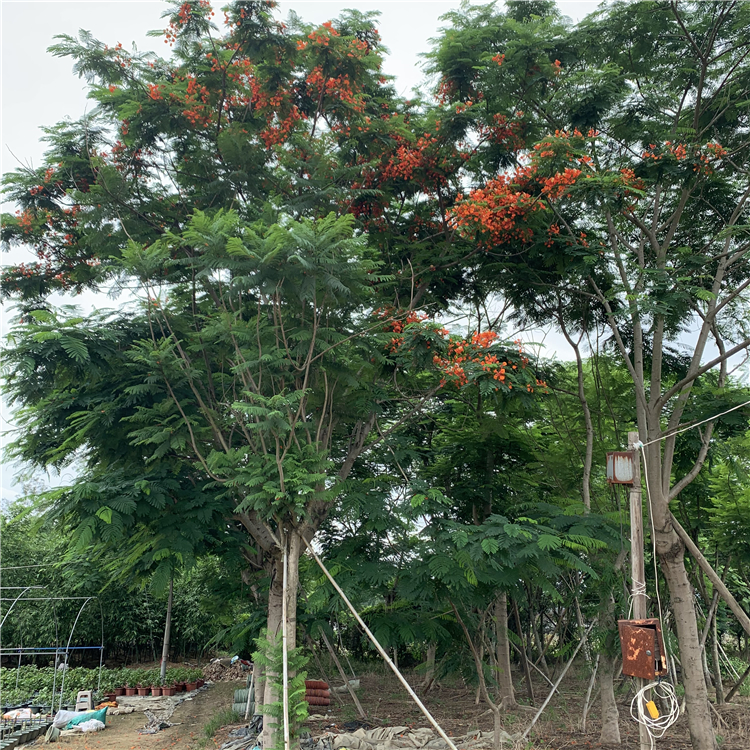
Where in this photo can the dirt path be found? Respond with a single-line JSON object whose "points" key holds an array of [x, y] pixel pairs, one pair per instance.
{"points": [[122, 731]]}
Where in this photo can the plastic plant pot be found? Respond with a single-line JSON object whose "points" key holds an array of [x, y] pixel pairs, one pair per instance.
{"points": [[143, 690], [190, 686], [119, 691], [168, 691], [130, 691], [155, 690]]}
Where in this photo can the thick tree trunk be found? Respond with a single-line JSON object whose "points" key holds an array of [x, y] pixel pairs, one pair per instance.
{"points": [[274, 624], [671, 553], [506, 698], [610, 734], [167, 634]]}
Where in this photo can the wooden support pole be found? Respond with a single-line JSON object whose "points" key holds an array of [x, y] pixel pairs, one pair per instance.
{"points": [[380, 649], [637, 563], [360, 710], [713, 576]]}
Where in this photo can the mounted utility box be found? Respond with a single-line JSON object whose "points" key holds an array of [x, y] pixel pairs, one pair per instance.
{"points": [[620, 467], [643, 652]]}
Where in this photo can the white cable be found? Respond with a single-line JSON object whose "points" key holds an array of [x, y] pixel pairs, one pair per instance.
{"points": [[653, 536], [656, 728], [692, 426]]}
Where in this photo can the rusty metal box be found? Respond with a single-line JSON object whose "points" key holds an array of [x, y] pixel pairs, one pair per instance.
{"points": [[643, 653], [620, 467]]}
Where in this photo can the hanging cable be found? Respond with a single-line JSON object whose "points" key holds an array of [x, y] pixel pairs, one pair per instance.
{"points": [[644, 711]]}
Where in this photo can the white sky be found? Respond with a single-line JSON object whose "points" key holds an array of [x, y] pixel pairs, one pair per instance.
{"points": [[38, 89]]}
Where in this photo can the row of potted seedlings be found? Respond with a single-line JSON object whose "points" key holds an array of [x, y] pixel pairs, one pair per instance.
{"points": [[147, 682]]}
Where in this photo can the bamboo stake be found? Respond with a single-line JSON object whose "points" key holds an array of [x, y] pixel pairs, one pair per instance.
{"points": [[380, 649], [557, 683], [588, 695], [728, 697], [713, 576], [360, 710]]}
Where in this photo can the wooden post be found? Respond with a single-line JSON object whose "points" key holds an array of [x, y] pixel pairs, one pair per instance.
{"points": [[637, 564]]}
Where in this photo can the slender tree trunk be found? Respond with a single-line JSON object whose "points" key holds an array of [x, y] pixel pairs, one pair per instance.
{"points": [[167, 633], [610, 734], [523, 655], [429, 674], [506, 697]]}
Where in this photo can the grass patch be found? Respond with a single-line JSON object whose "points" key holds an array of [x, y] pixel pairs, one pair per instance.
{"points": [[221, 719]]}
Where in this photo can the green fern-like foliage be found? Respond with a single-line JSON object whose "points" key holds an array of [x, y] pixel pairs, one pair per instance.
{"points": [[270, 656]]}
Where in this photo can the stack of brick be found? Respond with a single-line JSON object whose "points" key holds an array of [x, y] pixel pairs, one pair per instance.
{"points": [[317, 693]]}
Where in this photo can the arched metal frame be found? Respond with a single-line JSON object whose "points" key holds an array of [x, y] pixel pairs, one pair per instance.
{"points": [[57, 649]]}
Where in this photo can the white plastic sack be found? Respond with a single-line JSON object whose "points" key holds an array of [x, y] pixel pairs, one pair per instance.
{"points": [[93, 725], [62, 718]]}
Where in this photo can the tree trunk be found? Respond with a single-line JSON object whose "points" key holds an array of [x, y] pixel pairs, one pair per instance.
{"points": [[506, 699], [523, 655], [274, 624], [671, 553], [429, 674], [610, 734], [167, 633]]}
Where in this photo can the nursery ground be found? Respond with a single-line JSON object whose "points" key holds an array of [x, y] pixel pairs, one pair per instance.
{"points": [[451, 703]]}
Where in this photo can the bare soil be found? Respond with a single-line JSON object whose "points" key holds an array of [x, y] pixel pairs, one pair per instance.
{"points": [[451, 702], [122, 731]]}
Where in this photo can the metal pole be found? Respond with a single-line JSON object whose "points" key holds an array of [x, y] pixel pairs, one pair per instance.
{"points": [[284, 645], [637, 563]]}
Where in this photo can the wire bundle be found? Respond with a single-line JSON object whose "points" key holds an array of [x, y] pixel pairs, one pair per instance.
{"points": [[656, 728]]}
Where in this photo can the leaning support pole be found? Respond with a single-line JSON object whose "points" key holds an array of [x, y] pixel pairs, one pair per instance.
{"points": [[728, 697], [380, 649], [557, 683], [347, 685], [713, 576]]}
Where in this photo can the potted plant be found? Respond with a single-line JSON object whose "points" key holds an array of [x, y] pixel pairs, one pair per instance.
{"points": [[179, 680], [168, 690], [130, 682]]}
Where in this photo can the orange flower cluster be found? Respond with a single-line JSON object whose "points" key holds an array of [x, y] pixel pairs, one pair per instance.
{"points": [[468, 357], [553, 187], [502, 131], [497, 210]]}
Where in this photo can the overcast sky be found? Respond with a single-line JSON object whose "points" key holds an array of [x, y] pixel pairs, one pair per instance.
{"points": [[39, 89]]}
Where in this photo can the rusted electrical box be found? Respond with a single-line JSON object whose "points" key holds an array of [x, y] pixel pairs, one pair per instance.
{"points": [[643, 653], [620, 468]]}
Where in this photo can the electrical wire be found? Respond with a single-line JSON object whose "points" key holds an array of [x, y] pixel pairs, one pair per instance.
{"points": [[697, 424], [657, 727]]}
